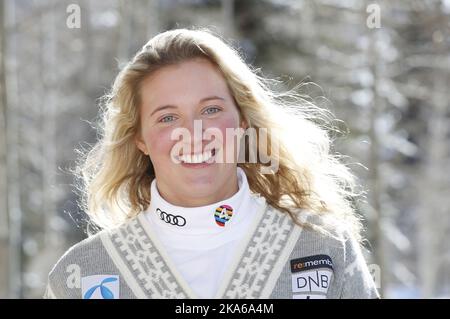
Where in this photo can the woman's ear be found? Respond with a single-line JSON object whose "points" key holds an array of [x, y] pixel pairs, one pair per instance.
{"points": [[140, 144]]}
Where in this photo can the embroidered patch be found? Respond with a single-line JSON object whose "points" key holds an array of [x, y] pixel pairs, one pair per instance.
{"points": [[223, 214], [311, 276], [100, 287]]}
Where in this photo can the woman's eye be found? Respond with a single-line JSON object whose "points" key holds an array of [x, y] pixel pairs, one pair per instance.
{"points": [[168, 118], [212, 110]]}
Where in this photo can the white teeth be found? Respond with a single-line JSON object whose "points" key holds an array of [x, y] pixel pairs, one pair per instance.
{"points": [[196, 158]]}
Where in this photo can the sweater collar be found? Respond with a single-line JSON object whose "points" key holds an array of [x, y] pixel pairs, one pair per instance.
{"points": [[209, 219]]}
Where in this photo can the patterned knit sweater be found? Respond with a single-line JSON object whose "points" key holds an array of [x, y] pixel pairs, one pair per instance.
{"points": [[276, 259]]}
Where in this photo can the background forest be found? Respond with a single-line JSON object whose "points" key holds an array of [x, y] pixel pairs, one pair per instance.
{"points": [[382, 67]]}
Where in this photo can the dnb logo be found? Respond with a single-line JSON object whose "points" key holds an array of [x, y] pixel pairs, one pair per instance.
{"points": [[100, 287], [223, 214], [311, 277]]}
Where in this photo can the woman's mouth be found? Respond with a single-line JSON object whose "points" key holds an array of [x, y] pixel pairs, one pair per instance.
{"points": [[199, 159]]}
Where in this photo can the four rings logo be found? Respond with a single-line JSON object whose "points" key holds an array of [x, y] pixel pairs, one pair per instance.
{"points": [[171, 219]]}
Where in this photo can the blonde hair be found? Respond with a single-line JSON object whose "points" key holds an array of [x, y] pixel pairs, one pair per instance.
{"points": [[116, 176]]}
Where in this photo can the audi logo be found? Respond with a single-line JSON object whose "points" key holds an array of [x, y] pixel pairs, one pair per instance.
{"points": [[171, 219]]}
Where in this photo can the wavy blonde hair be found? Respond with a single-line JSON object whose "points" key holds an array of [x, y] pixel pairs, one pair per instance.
{"points": [[116, 176]]}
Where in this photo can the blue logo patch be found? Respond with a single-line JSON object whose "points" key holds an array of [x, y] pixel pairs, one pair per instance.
{"points": [[100, 287]]}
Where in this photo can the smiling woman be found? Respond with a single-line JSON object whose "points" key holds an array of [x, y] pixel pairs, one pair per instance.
{"points": [[192, 217], [201, 94]]}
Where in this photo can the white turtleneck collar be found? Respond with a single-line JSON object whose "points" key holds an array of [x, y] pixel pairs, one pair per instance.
{"points": [[210, 219], [201, 241]]}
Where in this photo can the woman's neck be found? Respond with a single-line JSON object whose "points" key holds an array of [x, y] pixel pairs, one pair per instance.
{"points": [[185, 200]]}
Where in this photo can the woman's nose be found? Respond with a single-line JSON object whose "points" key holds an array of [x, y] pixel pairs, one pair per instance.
{"points": [[195, 128]]}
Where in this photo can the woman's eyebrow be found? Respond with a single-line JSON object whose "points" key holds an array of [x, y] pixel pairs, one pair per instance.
{"points": [[163, 107], [214, 97]]}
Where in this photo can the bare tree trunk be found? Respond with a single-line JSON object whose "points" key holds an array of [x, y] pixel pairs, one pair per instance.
{"points": [[3, 163], [228, 17], [376, 184], [13, 174], [434, 212], [154, 18], [89, 51], [48, 132], [125, 34]]}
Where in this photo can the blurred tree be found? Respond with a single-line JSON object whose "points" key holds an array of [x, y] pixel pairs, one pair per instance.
{"points": [[3, 165], [14, 210], [389, 85], [434, 210], [379, 81]]}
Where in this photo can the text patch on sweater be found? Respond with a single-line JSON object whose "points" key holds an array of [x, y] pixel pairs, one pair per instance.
{"points": [[311, 276]]}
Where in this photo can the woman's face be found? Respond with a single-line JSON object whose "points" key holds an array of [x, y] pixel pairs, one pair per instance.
{"points": [[173, 98]]}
